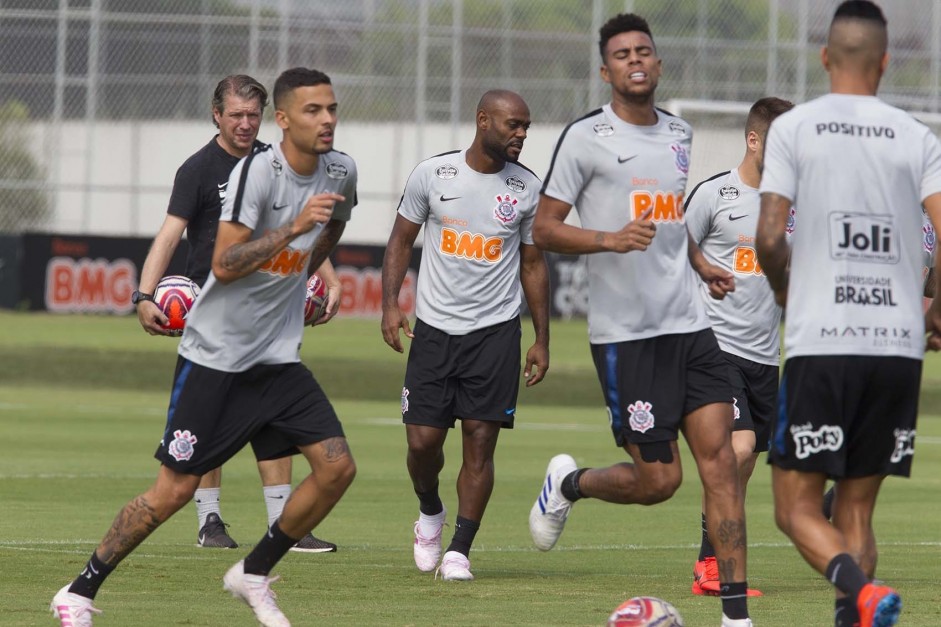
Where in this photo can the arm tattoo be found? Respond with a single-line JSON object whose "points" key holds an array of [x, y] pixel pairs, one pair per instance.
{"points": [[326, 243], [131, 526], [599, 238], [335, 449], [249, 256]]}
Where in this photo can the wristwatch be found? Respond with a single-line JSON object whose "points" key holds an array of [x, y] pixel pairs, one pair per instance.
{"points": [[137, 296]]}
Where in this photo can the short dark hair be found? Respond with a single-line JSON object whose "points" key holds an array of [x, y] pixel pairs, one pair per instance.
{"points": [[861, 10], [764, 112], [297, 77], [241, 85], [622, 23]]}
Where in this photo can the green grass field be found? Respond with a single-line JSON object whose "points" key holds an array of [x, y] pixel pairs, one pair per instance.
{"points": [[82, 405]]}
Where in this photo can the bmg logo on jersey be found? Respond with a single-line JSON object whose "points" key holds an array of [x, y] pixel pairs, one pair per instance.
{"points": [[746, 261], [471, 245], [667, 206], [865, 238]]}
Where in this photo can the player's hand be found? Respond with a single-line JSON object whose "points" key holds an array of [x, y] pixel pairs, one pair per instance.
{"points": [[333, 305], [317, 210], [537, 363], [636, 234], [152, 319], [392, 320], [719, 281]]}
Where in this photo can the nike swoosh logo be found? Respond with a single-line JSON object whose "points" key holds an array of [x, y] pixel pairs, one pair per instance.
{"points": [[281, 496], [222, 185], [443, 199], [202, 538], [734, 218], [278, 207], [625, 159]]}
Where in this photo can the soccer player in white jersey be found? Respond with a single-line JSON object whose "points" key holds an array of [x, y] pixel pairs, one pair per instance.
{"points": [[859, 172], [624, 168], [239, 375], [477, 206], [721, 215], [199, 190]]}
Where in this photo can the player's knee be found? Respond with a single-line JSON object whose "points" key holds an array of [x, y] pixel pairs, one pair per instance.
{"points": [[340, 475], [173, 497], [660, 490], [782, 518], [659, 486]]}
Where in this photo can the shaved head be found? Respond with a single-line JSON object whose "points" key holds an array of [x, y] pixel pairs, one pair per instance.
{"points": [[502, 122], [858, 36], [500, 98]]}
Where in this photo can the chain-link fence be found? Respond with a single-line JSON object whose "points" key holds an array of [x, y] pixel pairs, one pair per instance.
{"points": [[74, 71]]}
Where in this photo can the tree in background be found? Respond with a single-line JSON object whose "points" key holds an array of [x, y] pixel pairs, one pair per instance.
{"points": [[23, 202]]}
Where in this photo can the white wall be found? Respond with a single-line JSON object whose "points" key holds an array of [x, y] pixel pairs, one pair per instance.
{"points": [[115, 178]]}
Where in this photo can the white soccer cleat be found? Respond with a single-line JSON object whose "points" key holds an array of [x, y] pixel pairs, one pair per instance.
{"points": [[454, 567], [741, 622], [73, 610], [551, 509], [427, 551], [255, 591]]}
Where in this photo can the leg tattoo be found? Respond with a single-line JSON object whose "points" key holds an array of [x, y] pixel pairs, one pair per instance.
{"points": [[131, 527]]}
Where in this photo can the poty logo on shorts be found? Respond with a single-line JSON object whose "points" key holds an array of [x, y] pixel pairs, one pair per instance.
{"points": [[736, 413], [181, 448], [904, 444], [807, 441], [404, 400], [641, 418]]}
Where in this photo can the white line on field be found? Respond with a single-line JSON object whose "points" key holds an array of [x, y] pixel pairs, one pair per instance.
{"points": [[47, 546]]}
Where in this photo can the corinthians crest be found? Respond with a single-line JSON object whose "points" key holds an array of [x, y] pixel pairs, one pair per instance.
{"points": [[181, 448], [641, 418], [505, 211]]}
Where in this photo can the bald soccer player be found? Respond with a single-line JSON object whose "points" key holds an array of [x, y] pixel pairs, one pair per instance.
{"points": [[478, 207]]}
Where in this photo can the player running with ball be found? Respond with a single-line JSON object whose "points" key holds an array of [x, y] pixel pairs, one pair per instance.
{"points": [[239, 376]]}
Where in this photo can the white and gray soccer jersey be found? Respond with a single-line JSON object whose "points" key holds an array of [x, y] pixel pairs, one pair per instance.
{"points": [[259, 319], [612, 172], [856, 256], [722, 217], [474, 226]]}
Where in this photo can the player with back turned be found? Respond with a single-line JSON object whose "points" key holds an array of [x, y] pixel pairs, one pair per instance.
{"points": [[239, 378], [859, 172], [624, 167]]}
